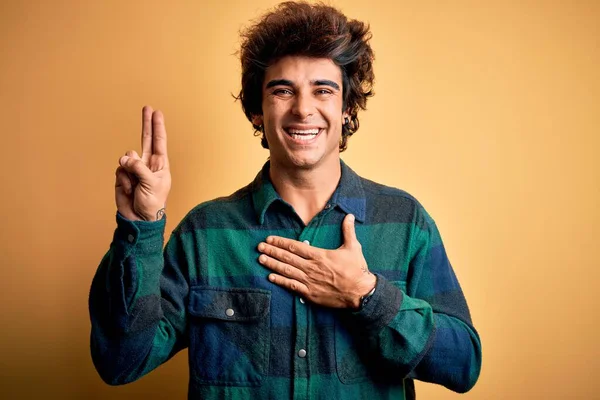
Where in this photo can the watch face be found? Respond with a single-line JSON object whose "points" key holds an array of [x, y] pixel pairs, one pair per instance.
{"points": [[365, 300]]}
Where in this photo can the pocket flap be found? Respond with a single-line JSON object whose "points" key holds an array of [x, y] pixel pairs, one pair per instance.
{"points": [[229, 304]]}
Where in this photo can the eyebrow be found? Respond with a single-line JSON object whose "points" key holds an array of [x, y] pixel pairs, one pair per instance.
{"points": [[287, 82], [326, 82], [279, 82]]}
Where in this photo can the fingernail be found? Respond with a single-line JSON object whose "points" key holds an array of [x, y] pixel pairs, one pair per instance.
{"points": [[351, 217], [261, 246]]}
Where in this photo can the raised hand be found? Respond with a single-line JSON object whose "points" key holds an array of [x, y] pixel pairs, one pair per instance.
{"points": [[331, 278], [143, 183]]}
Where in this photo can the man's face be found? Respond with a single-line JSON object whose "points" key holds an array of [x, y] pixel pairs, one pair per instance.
{"points": [[302, 111]]}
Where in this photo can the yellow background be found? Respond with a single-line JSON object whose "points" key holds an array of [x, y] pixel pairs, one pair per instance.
{"points": [[486, 111]]}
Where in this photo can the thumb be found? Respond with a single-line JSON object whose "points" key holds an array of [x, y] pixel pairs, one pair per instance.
{"points": [[349, 231]]}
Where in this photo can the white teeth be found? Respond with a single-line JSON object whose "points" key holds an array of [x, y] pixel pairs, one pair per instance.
{"points": [[303, 137], [303, 132]]}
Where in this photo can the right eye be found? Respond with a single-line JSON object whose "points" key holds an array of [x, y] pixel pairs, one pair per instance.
{"points": [[284, 92]]}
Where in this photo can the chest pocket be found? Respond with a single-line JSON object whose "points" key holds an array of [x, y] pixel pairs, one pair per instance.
{"points": [[355, 360], [229, 335]]}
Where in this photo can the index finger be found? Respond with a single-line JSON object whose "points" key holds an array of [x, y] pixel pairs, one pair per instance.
{"points": [[146, 133], [159, 134], [301, 249]]}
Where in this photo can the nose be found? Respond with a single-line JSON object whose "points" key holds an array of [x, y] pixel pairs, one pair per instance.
{"points": [[303, 106]]}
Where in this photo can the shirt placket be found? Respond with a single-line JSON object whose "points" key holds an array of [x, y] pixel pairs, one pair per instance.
{"points": [[303, 353]]}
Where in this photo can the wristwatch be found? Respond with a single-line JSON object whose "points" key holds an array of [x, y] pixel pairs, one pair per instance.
{"points": [[365, 299]]}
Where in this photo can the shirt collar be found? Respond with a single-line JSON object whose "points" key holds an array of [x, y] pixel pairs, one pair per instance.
{"points": [[349, 194]]}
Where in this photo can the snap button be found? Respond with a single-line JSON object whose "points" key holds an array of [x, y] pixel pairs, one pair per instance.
{"points": [[130, 238], [229, 312], [302, 300], [302, 353], [306, 242]]}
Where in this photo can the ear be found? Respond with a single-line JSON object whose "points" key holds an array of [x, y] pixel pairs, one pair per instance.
{"points": [[257, 120]]}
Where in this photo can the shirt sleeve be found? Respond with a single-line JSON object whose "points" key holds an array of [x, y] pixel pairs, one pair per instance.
{"points": [[137, 302], [424, 331]]}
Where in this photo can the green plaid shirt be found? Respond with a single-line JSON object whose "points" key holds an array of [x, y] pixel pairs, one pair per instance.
{"points": [[249, 338]]}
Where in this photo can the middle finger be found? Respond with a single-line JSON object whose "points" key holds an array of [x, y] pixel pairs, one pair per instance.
{"points": [[282, 268], [282, 255]]}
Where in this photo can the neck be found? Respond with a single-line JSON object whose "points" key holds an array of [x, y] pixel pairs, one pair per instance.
{"points": [[307, 190]]}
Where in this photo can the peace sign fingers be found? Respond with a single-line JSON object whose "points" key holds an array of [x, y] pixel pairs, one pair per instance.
{"points": [[154, 138]]}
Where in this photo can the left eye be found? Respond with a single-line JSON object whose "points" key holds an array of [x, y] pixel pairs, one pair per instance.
{"points": [[323, 91]]}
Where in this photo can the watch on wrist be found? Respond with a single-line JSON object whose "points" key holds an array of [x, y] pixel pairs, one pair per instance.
{"points": [[365, 299]]}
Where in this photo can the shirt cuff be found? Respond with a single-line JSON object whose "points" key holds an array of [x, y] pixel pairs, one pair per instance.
{"points": [[383, 306], [147, 236]]}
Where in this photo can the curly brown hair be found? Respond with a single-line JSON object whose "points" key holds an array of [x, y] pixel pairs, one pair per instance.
{"points": [[313, 30]]}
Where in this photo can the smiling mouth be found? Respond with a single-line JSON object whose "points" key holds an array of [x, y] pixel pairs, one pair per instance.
{"points": [[303, 134]]}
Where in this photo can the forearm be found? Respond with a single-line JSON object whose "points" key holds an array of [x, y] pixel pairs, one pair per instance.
{"points": [[407, 338], [134, 327], [454, 357], [398, 328]]}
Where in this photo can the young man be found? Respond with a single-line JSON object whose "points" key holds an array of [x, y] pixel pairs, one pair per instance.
{"points": [[311, 282]]}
